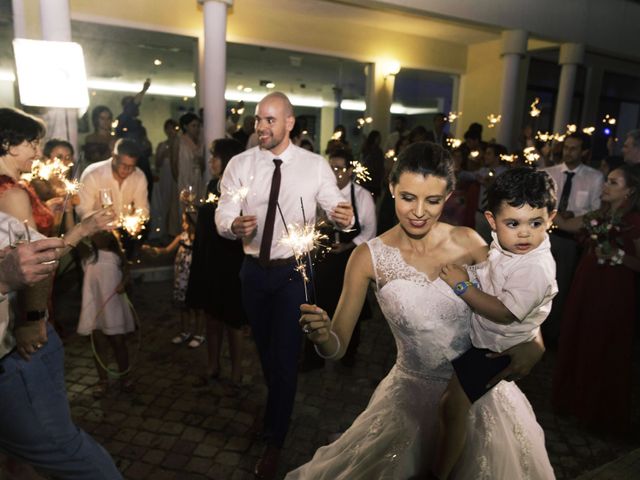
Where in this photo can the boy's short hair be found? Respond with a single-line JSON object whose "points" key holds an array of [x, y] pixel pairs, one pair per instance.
{"points": [[519, 186]]}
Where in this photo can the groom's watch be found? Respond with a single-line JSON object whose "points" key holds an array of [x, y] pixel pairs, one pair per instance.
{"points": [[461, 287]]}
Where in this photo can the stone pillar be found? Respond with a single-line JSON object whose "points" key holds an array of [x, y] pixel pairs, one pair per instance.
{"points": [[514, 47], [593, 89], [213, 70], [379, 96], [55, 23], [327, 124], [571, 55]]}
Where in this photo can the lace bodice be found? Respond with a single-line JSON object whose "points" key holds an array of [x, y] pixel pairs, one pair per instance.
{"points": [[429, 322]]}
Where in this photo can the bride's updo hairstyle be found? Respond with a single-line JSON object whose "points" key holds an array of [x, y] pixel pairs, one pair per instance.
{"points": [[424, 158]]}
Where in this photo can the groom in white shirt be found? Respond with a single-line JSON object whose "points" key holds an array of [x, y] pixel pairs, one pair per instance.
{"points": [[262, 188]]}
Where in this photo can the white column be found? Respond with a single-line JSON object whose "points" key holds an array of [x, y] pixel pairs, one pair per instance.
{"points": [[571, 55], [19, 21], [213, 72], [514, 47], [55, 22], [327, 124], [378, 97]]}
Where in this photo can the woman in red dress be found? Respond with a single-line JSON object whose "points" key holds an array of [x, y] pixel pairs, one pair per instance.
{"points": [[592, 379]]}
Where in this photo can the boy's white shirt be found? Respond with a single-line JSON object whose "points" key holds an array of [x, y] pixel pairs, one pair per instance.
{"points": [[525, 284]]}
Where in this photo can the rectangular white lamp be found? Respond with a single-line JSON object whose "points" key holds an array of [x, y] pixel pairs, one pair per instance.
{"points": [[51, 74]]}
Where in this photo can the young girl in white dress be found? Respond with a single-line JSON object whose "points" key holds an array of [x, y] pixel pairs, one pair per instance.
{"points": [[395, 437], [105, 312]]}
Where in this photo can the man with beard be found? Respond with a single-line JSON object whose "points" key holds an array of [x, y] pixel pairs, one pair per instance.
{"points": [[276, 179]]}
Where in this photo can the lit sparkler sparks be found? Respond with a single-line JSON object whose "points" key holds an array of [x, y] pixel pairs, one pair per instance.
{"points": [[361, 122], [609, 119], [509, 158], [453, 116], [454, 142], [133, 221], [212, 198], [336, 135], [544, 136], [239, 195], [571, 128], [535, 111], [531, 156], [559, 137], [361, 172], [493, 119], [71, 187], [589, 130], [49, 168], [474, 153]]}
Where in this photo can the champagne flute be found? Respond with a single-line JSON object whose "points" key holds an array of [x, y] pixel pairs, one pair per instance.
{"points": [[106, 198], [17, 234]]}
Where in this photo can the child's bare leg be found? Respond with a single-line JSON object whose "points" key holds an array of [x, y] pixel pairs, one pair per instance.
{"points": [[452, 432]]}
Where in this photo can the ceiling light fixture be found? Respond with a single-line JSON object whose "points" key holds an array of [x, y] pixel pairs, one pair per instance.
{"points": [[157, 62]]}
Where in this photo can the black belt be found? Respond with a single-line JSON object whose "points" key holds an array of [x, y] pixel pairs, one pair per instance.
{"points": [[276, 262]]}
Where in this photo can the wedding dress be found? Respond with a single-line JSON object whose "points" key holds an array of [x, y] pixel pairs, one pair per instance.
{"points": [[394, 438]]}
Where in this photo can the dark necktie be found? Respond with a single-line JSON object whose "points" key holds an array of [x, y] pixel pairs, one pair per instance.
{"points": [[566, 192], [267, 233]]}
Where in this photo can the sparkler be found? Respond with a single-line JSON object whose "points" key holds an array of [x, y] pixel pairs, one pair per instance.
{"points": [[571, 128], [509, 158], [589, 130], [474, 153], [544, 136], [302, 240], [212, 198], [361, 172], [493, 119], [531, 156], [336, 135], [133, 221], [535, 111], [454, 142], [71, 187], [609, 119], [453, 116], [47, 169], [361, 122]]}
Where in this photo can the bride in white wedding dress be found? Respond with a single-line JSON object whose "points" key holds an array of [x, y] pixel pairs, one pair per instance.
{"points": [[395, 437]]}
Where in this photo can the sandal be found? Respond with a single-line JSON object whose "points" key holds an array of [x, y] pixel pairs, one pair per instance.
{"points": [[196, 341], [181, 338], [100, 389]]}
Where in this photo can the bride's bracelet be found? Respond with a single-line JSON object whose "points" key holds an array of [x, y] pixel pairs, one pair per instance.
{"points": [[334, 354]]}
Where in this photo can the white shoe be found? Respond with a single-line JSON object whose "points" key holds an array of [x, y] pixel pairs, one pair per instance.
{"points": [[181, 338], [196, 341]]}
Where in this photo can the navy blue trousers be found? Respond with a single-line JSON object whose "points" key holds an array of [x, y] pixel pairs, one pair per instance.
{"points": [[271, 297]]}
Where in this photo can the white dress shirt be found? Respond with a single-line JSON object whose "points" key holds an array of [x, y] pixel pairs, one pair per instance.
{"points": [[366, 212], [305, 175], [525, 284], [7, 341], [99, 175], [586, 187]]}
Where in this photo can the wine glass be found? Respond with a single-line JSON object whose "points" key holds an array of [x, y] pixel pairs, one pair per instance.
{"points": [[106, 198], [18, 234]]}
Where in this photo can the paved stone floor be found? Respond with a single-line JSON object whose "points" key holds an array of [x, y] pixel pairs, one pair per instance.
{"points": [[168, 430]]}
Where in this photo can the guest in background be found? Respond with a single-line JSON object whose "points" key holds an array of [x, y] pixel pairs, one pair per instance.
{"points": [[214, 281], [191, 155], [166, 187], [593, 375], [373, 158], [99, 144]]}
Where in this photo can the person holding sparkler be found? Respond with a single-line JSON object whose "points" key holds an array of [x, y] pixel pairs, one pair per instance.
{"points": [[272, 289], [34, 410], [395, 436]]}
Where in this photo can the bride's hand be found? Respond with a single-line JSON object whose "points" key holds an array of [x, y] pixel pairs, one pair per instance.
{"points": [[523, 358], [315, 323]]}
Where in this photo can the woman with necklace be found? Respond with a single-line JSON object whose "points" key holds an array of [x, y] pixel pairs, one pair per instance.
{"points": [[592, 378]]}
